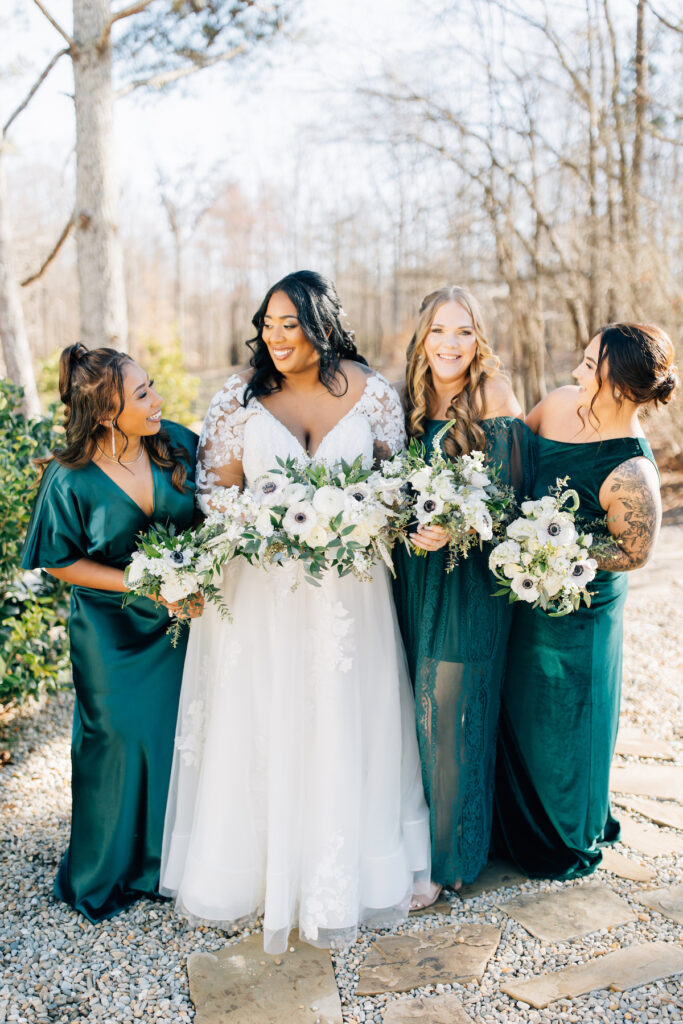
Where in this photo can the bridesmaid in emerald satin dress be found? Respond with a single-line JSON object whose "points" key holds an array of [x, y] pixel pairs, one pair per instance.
{"points": [[560, 704], [122, 469], [455, 632]]}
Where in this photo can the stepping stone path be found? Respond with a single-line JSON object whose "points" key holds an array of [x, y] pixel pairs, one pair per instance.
{"points": [[428, 1010], [569, 913], [399, 963], [496, 875], [662, 812], [668, 902], [242, 985], [626, 968], [624, 867], [648, 838], [649, 780], [632, 741]]}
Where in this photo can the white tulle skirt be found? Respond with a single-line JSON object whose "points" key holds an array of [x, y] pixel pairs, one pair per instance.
{"points": [[296, 787]]}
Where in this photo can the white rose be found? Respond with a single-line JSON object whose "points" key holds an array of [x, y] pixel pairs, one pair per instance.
{"points": [[360, 535], [293, 493], [553, 584], [421, 478], [532, 508], [176, 589], [521, 529], [329, 501]]}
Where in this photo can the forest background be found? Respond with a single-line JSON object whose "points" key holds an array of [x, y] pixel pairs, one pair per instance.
{"points": [[162, 162]]}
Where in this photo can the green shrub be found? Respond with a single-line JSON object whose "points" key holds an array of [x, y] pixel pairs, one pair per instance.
{"points": [[33, 609]]}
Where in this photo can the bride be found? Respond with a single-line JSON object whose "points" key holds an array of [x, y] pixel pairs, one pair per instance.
{"points": [[296, 787]]}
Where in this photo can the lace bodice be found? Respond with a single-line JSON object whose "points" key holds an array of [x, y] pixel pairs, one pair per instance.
{"points": [[253, 436]]}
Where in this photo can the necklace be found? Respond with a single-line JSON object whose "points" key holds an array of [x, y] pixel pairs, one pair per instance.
{"points": [[130, 462]]}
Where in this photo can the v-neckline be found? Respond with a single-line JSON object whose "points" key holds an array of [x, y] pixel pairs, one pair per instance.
{"points": [[127, 495], [327, 434]]}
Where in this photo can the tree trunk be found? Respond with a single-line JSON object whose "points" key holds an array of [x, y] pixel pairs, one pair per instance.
{"points": [[99, 254], [15, 348]]}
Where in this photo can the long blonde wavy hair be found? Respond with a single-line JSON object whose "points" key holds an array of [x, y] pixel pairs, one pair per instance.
{"points": [[466, 408]]}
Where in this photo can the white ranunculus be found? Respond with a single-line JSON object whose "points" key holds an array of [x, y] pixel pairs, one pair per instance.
{"points": [[553, 584], [300, 519], [293, 494], [512, 569], [317, 537], [375, 519], [555, 528], [421, 478], [521, 529], [525, 587], [360, 535], [329, 501], [263, 523], [581, 573], [176, 588], [507, 551]]}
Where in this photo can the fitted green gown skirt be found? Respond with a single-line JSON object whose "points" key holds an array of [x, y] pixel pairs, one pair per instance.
{"points": [[560, 698], [126, 676]]}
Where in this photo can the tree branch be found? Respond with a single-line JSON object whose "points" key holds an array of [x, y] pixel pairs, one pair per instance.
{"points": [[33, 90], [126, 12], [166, 77], [668, 24], [51, 255], [54, 23]]}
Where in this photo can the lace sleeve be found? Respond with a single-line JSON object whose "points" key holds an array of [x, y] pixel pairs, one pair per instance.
{"points": [[385, 413], [221, 442]]}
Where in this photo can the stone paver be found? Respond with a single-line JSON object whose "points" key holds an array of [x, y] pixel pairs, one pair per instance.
{"points": [[668, 902], [649, 839], [242, 985], [428, 1010], [624, 867], [442, 956], [662, 812], [442, 906], [568, 913], [633, 741], [665, 781], [496, 875], [626, 968]]}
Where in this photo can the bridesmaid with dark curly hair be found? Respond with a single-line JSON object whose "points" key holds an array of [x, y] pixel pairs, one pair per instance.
{"points": [[560, 704], [122, 468]]}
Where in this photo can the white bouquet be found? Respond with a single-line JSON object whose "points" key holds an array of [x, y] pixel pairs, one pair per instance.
{"points": [[174, 566], [545, 560], [462, 495], [341, 517]]}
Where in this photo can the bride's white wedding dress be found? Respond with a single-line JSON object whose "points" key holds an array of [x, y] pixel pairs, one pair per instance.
{"points": [[296, 786]]}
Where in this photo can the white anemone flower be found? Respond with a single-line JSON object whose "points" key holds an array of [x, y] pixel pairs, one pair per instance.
{"points": [[357, 493], [525, 587], [178, 557], [300, 519], [581, 573], [428, 506], [269, 488], [329, 501], [556, 529], [483, 524]]}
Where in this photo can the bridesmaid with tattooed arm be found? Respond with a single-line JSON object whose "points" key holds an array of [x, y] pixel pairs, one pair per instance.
{"points": [[560, 706]]}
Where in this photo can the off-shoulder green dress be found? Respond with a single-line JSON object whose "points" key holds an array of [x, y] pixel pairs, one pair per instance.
{"points": [[127, 678], [560, 702], [455, 634]]}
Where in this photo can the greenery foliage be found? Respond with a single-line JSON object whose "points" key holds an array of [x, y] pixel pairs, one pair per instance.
{"points": [[33, 609]]}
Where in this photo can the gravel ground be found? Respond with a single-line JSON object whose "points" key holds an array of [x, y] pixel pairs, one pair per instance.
{"points": [[57, 967]]}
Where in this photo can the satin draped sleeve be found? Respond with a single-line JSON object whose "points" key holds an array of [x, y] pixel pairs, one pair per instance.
{"points": [[56, 535]]}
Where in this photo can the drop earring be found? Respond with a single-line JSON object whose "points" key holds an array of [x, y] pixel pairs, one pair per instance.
{"points": [[113, 440]]}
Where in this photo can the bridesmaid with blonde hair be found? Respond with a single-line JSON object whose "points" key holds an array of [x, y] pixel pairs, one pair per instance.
{"points": [[454, 631]]}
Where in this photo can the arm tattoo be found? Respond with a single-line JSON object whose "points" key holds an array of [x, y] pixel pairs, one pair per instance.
{"points": [[640, 515]]}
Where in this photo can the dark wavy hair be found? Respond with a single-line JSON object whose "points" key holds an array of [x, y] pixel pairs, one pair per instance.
{"points": [[320, 313], [640, 365], [91, 388]]}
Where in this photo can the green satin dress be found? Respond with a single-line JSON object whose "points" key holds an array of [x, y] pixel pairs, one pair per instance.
{"points": [[127, 678], [455, 634], [560, 703]]}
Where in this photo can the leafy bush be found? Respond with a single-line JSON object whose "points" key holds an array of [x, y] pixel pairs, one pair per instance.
{"points": [[33, 609]]}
